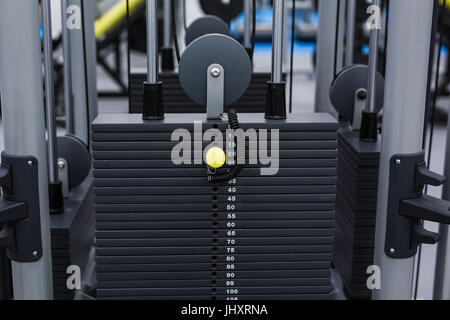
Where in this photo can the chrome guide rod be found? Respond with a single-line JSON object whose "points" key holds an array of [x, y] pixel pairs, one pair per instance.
{"points": [[152, 41], [277, 50]]}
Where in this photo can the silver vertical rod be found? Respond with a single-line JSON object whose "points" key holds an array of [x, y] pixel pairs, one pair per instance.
{"points": [[24, 126], [285, 33], [167, 24], [373, 65], [152, 41], [49, 92], [404, 110], [341, 36], [442, 274], [277, 41], [68, 100], [83, 71], [350, 32], [247, 23], [91, 59], [326, 44]]}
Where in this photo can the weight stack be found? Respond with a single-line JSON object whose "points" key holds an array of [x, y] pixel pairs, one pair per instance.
{"points": [[72, 236], [356, 205], [177, 101], [163, 232]]}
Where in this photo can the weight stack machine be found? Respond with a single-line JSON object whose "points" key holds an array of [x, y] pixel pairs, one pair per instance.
{"points": [[72, 235], [72, 229], [357, 93], [356, 205], [165, 232], [203, 231]]}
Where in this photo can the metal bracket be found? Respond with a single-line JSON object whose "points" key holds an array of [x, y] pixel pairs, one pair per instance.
{"points": [[19, 208], [408, 206], [215, 92]]}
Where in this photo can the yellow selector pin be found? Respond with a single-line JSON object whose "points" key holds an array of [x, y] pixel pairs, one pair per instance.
{"points": [[215, 158]]}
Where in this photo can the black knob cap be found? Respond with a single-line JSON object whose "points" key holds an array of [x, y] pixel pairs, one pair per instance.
{"points": [[153, 108], [276, 101]]}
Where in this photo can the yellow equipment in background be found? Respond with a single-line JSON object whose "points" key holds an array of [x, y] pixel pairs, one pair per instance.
{"points": [[447, 4], [114, 16]]}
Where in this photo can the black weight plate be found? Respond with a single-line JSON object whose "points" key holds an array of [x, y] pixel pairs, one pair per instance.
{"points": [[244, 224], [278, 215], [202, 250], [285, 257], [198, 283], [237, 241], [210, 290], [219, 267], [253, 274], [174, 234]]}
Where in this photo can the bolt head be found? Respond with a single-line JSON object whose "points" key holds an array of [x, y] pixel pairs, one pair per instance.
{"points": [[392, 251], [215, 72], [30, 163], [35, 253], [362, 94], [61, 164], [398, 161]]}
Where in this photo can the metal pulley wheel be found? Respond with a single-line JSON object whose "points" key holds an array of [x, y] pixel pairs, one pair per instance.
{"points": [[215, 49], [349, 81]]}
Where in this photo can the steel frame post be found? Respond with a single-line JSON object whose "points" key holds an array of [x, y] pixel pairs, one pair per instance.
{"points": [[24, 127], [326, 46], [83, 66], [404, 110], [350, 32]]}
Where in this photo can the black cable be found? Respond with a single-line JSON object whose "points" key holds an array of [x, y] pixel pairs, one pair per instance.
{"points": [[291, 80], [174, 31], [435, 96], [436, 12], [240, 148], [184, 15], [386, 34], [336, 40], [230, 13], [88, 116], [252, 49], [441, 14]]}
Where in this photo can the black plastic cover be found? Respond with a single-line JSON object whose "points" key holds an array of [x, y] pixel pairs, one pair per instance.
{"points": [[276, 101], [153, 108]]}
